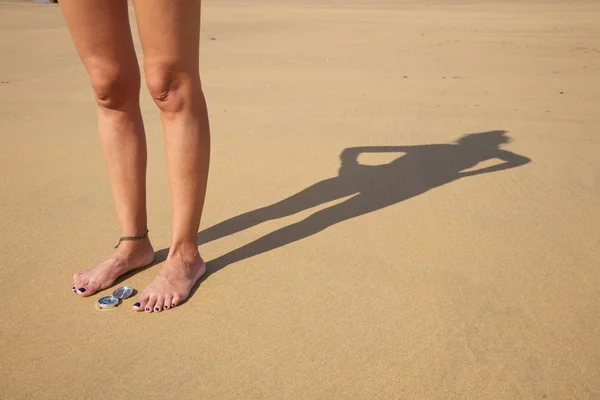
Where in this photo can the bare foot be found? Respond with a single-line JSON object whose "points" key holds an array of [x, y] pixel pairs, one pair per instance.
{"points": [[128, 256], [173, 283]]}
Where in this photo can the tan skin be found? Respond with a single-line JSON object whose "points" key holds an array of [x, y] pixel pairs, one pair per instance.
{"points": [[169, 33]]}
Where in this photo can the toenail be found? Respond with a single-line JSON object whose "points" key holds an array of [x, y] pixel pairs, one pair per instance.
{"points": [[136, 304], [147, 309], [156, 309], [173, 305], [74, 291], [82, 290], [166, 307]]}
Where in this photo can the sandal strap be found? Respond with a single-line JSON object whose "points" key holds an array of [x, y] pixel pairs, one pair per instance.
{"points": [[126, 238]]}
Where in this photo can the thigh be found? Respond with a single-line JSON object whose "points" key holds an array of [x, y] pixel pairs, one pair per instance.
{"points": [[170, 33], [101, 33]]}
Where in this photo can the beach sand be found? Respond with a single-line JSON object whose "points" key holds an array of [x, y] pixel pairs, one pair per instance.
{"points": [[409, 280]]}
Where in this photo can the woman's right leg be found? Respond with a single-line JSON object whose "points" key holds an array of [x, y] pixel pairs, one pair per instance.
{"points": [[102, 36]]}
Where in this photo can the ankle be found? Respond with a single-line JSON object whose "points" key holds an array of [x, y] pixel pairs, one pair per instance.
{"points": [[188, 251], [134, 246]]}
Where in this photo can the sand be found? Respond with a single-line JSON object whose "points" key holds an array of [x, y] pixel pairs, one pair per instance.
{"points": [[408, 280]]}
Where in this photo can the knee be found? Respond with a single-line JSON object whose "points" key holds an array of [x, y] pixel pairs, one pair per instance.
{"points": [[114, 86], [172, 89]]}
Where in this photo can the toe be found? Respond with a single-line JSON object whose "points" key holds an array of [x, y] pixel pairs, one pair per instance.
{"points": [[160, 302], [84, 286], [80, 284], [150, 304], [140, 304], [168, 302], [175, 300], [85, 291]]}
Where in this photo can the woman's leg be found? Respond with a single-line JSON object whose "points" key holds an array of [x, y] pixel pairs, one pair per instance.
{"points": [[102, 38], [170, 32]]}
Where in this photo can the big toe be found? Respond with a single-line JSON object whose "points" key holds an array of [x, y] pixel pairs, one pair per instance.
{"points": [[85, 290], [81, 285], [141, 302]]}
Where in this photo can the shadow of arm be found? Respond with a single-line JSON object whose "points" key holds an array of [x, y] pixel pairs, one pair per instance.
{"points": [[511, 160]]}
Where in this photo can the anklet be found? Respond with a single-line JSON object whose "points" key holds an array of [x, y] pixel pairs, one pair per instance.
{"points": [[125, 238]]}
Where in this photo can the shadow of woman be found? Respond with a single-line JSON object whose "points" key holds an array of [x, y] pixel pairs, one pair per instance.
{"points": [[418, 170]]}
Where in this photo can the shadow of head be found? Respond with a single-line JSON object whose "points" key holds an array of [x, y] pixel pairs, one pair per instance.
{"points": [[484, 139]]}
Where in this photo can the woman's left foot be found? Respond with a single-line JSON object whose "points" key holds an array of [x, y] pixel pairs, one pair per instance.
{"points": [[173, 283]]}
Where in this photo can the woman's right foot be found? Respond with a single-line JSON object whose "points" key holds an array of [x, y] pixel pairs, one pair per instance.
{"points": [[128, 256], [174, 282]]}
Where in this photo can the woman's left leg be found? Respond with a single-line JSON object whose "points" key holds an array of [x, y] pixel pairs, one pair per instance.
{"points": [[170, 35]]}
